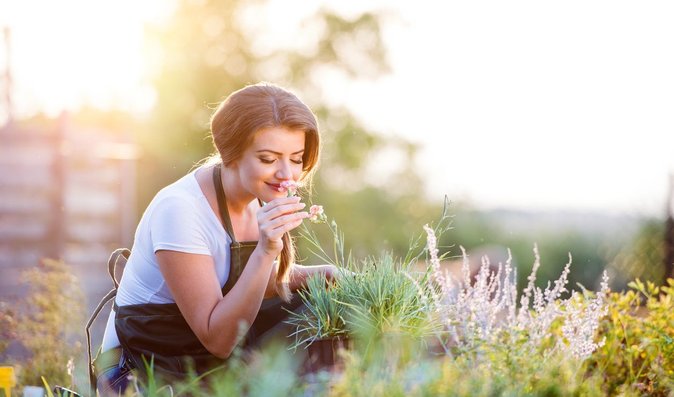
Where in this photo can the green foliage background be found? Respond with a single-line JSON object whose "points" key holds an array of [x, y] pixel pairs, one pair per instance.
{"points": [[207, 49], [206, 53]]}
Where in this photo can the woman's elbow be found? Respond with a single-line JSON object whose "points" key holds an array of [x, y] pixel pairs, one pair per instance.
{"points": [[221, 337], [221, 353], [220, 350], [221, 343]]}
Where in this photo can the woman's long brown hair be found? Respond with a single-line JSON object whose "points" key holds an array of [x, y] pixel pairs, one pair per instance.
{"points": [[251, 109]]}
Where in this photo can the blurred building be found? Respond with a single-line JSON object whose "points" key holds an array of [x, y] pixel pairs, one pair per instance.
{"points": [[66, 193]]}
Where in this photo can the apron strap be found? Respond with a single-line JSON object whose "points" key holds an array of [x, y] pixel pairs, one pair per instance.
{"points": [[222, 203], [92, 371], [112, 263], [240, 251], [110, 296]]}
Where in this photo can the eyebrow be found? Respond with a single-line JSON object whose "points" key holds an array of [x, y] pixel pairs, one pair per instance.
{"points": [[278, 153]]}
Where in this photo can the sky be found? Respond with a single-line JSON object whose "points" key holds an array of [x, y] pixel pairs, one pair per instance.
{"points": [[68, 53], [534, 105]]}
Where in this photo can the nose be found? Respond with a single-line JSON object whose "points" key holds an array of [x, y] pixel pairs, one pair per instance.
{"points": [[284, 171]]}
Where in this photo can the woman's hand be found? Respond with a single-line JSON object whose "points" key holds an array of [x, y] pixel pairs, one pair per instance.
{"points": [[277, 217], [333, 273], [299, 274]]}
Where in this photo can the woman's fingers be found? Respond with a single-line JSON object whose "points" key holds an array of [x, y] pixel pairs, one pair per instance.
{"points": [[272, 238], [272, 205], [283, 210], [276, 227], [278, 208], [278, 217]]}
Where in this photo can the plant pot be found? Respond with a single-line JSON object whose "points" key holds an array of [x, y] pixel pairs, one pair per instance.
{"points": [[435, 348], [323, 354], [33, 391], [7, 379]]}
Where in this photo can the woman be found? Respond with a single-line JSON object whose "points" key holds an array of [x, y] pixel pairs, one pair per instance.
{"points": [[211, 247]]}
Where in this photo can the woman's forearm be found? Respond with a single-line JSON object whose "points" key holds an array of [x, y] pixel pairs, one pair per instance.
{"points": [[237, 310], [300, 274]]}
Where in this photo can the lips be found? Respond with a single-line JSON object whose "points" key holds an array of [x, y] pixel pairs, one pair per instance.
{"points": [[274, 186]]}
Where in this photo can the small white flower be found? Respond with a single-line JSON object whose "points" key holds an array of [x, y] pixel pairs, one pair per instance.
{"points": [[289, 186], [317, 215]]}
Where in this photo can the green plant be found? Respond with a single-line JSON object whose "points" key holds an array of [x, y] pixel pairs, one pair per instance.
{"points": [[385, 297], [272, 371], [323, 316], [397, 365], [638, 353], [402, 369], [379, 296], [7, 325], [49, 322], [543, 344]]}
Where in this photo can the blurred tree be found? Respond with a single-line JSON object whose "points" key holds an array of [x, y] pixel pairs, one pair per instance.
{"points": [[208, 49], [669, 232], [587, 257], [200, 55], [643, 258], [475, 229], [669, 247], [367, 182]]}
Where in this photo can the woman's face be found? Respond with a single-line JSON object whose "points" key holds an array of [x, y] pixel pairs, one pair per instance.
{"points": [[274, 156]]}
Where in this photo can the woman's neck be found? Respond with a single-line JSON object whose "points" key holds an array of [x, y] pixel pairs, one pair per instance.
{"points": [[237, 198]]}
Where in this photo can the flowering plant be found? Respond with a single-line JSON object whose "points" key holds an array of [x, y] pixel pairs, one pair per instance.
{"points": [[289, 187], [317, 215], [484, 311], [316, 211]]}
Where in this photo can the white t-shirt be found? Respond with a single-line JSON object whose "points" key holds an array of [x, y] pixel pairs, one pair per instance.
{"points": [[179, 218]]}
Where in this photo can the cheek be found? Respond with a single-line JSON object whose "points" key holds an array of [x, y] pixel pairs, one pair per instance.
{"points": [[297, 172], [257, 171]]}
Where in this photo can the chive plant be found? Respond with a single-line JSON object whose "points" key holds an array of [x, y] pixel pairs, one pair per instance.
{"points": [[378, 296]]}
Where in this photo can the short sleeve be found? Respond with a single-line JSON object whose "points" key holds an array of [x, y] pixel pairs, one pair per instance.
{"points": [[176, 225]]}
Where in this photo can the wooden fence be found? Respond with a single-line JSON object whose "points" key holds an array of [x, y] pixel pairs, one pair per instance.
{"points": [[66, 193]]}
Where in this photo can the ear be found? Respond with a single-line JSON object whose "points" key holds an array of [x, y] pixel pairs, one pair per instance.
{"points": [[232, 165]]}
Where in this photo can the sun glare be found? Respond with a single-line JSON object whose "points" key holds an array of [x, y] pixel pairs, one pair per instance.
{"points": [[75, 52]]}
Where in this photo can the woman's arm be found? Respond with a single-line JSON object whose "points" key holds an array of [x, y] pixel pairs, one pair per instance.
{"points": [[299, 274], [191, 278], [214, 319]]}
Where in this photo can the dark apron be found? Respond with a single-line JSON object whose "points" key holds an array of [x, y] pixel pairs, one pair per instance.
{"points": [[160, 333]]}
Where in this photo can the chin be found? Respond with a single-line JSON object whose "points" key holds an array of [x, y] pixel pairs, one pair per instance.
{"points": [[269, 196]]}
